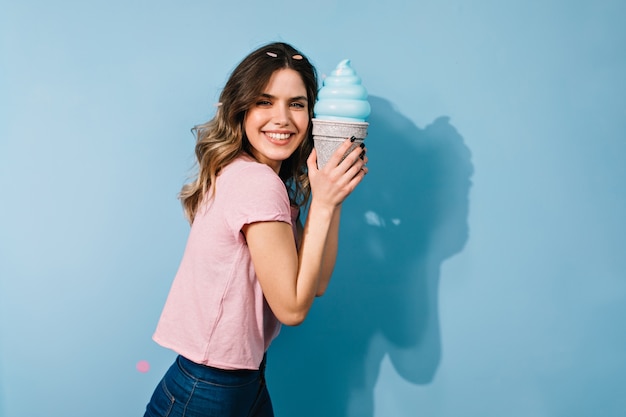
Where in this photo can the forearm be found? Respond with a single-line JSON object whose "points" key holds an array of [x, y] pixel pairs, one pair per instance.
{"points": [[312, 268], [330, 252]]}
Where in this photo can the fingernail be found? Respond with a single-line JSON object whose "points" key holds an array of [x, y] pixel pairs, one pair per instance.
{"points": [[362, 145], [353, 138], [362, 155]]}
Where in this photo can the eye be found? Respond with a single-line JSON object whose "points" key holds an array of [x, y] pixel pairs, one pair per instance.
{"points": [[298, 105], [263, 103]]}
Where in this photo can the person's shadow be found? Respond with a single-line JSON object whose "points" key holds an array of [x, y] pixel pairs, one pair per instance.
{"points": [[402, 222]]}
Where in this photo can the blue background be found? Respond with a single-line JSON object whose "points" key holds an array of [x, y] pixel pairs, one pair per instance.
{"points": [[482, 268]]}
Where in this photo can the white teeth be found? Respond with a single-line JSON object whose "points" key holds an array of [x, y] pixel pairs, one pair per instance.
{"points": [[279, 136]]}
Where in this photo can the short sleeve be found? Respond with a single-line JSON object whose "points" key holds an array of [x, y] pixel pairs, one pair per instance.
{"points": [[252, 194]]}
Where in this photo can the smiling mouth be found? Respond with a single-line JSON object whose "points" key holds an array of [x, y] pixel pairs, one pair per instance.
{"points": [[278, 136]]}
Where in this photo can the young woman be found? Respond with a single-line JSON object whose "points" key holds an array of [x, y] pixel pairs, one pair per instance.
{"points": [[249, 265]]}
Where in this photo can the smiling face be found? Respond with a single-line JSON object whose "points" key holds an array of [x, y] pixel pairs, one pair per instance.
{"points": [[277, 122]]}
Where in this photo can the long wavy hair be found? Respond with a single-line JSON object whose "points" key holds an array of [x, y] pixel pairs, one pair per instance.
{"points": [[223, 138]]}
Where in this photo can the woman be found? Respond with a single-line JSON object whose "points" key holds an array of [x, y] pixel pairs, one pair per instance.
{"points": [[249, 265]]}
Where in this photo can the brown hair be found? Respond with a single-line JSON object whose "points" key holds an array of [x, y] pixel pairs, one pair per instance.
{"points": [[223, 138]]}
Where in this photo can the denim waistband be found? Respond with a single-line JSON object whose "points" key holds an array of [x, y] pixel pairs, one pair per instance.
{"points": [[204, 377], [200, 369]]}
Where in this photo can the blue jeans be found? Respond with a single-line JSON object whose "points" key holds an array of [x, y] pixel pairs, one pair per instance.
{"points": [[192, 390]]}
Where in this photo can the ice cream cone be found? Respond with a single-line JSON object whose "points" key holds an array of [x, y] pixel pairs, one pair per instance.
{"points": [[328, 135]]}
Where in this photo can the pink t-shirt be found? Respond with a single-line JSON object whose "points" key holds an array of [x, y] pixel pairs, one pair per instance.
{"points": [[215, 313]]}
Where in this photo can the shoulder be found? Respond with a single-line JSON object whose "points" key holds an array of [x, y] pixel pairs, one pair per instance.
{"points": [[243, 165], [245, 170], [249, 191]]}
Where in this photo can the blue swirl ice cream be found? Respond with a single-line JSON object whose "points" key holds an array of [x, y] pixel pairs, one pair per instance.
{"points": [[342, 96], [340, 112]]}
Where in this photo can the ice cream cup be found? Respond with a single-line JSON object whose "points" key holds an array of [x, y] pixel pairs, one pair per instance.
{"points": [[328, 135]]}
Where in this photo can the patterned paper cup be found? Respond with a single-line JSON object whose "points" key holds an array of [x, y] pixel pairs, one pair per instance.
{"points": [[328, 135]]}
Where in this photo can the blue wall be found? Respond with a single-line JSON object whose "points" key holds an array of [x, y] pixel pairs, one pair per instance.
{"points": [[482, 268]]}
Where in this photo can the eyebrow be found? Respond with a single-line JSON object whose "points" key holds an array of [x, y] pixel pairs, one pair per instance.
{"points": [[298, 98]]}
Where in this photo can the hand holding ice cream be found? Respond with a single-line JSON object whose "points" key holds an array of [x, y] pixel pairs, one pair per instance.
{"points": [[340, 112]]}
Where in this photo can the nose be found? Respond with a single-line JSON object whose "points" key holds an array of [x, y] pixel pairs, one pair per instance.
{"points": [[281, 115]]}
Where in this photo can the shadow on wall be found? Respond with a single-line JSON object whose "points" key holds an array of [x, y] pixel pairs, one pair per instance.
{"points": [[408, 216]]}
